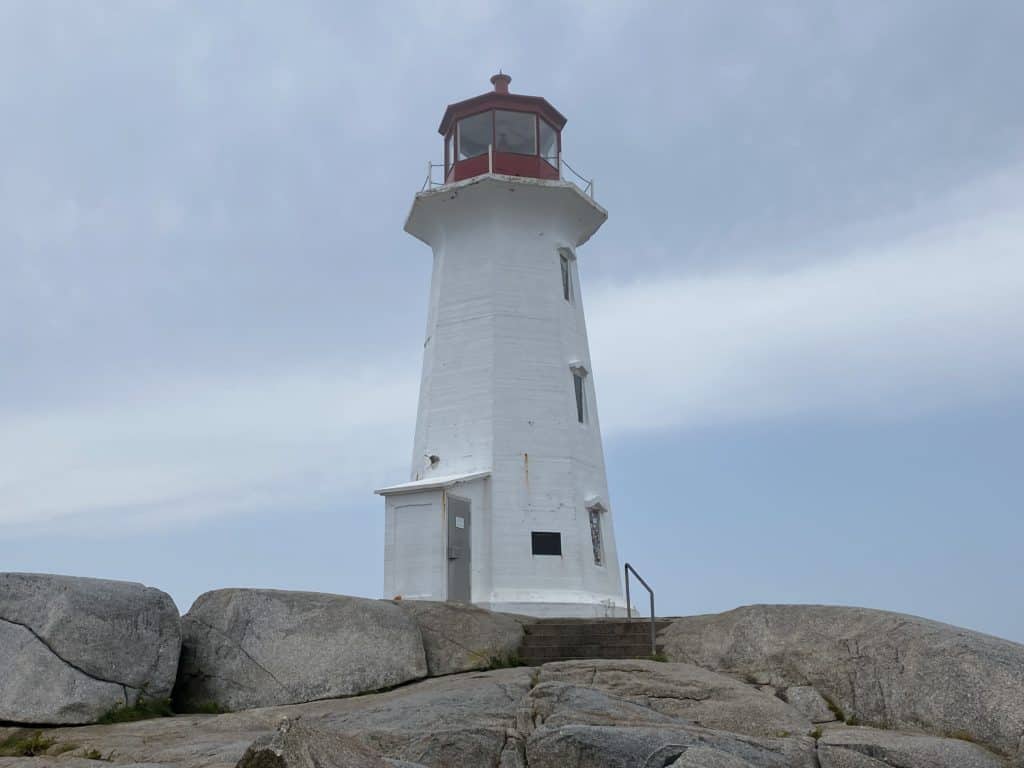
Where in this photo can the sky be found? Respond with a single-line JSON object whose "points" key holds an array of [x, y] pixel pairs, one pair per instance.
{"points": [[806, 309]]}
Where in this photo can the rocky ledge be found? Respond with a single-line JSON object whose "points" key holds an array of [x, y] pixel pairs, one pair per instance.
{"points": [[873, 667], [327, 680], [572, 714]]}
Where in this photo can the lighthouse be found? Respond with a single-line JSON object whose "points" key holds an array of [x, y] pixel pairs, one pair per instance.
{"points": [[506, 505]]}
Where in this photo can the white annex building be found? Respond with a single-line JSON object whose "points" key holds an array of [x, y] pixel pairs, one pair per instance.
{"points": [[507, 504]]}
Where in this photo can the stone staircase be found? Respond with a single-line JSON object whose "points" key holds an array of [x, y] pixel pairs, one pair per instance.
{"points": [[563, 639]]}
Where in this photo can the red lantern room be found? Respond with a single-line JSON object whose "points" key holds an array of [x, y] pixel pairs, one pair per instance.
{"points": [[502, 132]]}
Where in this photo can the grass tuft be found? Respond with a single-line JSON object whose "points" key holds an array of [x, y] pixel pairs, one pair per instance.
{"points": [[504, 661], [144, 709], [835, 709], [23, 744], [961, 736]]}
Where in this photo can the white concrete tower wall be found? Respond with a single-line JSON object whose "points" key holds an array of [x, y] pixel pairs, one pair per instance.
{"points": [[498, 393]]}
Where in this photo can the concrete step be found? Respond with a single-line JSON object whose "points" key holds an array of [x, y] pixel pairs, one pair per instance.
{"points": [[594, 651], [595, 628], [550, 640], [547, 638], [536, 661], [596, 622], [540, 641]]}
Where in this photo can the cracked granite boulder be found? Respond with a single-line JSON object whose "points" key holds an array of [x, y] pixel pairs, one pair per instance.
{"points": [[609, 713], [72, 648], [885, 669], [246, 648], [642, 690], [871, 748], [295, 745], [614, 746], [462, 638]]}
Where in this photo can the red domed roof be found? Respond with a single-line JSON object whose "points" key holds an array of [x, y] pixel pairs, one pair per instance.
{"points": [[500, 98], [503, 133]]}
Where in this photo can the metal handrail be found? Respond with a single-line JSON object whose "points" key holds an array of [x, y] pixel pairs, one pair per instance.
{"points": [[586, 184], [629, 609], [429, 183]]}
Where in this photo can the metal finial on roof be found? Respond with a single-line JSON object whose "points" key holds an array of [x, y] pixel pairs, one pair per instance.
{"points": [[500, 82]]}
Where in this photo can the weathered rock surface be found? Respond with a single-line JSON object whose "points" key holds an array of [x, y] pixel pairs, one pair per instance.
{"points": [[809, 702], [462, 638], [73, 648], [458, 720], [245, 648], [253, 646], [465, 719], [659, 692], [631, 714], [600, 746], [872, 748], [294, 745], [885, 669], [705, 757]]}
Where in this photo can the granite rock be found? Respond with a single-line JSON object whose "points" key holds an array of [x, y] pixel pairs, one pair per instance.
{"points": [[461, 638], [885, 669], [872, 748], [679, 692], [810, 703], [245, 648], [294, 745], [73, 648]]}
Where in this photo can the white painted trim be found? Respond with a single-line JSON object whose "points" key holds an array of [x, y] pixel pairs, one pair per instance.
{"points": [[425, 220], [431, 483]]}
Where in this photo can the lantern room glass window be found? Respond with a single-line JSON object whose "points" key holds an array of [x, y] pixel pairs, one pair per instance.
{"points": [[548, 142], [474, 135], [450, 153], [515, 132]]}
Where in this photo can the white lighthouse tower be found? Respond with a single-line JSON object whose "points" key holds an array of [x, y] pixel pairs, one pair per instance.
{"points": [[507, 504]]}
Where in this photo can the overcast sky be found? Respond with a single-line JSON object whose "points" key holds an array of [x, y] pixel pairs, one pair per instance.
{"points": [[806, 308]]}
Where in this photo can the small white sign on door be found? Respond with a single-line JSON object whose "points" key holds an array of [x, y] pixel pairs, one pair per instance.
{"points": [[460, 522]]}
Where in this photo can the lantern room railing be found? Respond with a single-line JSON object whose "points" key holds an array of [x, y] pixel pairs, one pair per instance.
{"points": [[581, 181], [565, 173]]}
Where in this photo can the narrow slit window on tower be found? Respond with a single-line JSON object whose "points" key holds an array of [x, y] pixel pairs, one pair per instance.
{"points": [[596, 538], [579, 385], [566, 275], [546, 543]]}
